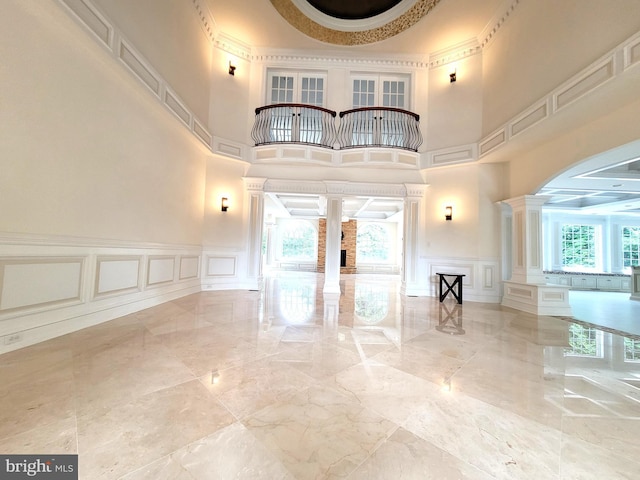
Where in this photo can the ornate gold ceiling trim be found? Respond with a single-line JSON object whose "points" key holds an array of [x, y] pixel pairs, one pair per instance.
{"points": [[301, 22]]}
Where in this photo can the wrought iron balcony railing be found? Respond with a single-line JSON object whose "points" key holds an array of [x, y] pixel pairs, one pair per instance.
{"points": [[361, 127], [294, 123], [379, 127]]}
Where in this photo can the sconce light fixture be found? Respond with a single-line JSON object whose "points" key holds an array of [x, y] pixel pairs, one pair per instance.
{"points": [[452, 77], [232, 68], [224, 204], [448, 213]]}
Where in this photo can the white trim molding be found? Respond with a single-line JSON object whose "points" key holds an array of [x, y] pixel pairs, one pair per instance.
{"points": [[107, 35], [82, 282]]}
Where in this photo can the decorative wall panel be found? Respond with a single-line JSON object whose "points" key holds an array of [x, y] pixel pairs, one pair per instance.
{"points": [[221, 266], [27, 283], [160, 270], [115, 274]]}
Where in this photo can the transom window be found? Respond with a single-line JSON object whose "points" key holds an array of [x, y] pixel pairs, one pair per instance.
{"points": [[579, 246]]}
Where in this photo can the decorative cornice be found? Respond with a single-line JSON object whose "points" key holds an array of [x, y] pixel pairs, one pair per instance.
{"points": [[233, 46], [454, 53], [207, 22], [488, 34], [288, 56]]}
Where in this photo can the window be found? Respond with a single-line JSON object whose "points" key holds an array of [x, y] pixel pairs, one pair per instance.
{"points": [[381, 91], [296, 87], [631, 246], [631, 350], [299, 240], [372, 243], [584, 342], [579, 246], [374, 128]]}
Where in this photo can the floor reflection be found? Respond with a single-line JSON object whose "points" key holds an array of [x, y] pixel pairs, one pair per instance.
{"points": [[289, 383]]}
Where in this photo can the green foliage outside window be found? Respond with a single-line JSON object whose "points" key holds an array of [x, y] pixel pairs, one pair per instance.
{"points": [[631, 246], [372, 243], [299, 240], [579, 246]]}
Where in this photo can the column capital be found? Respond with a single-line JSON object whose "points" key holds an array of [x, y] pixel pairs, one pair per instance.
{"points": [[254, 184], [527, 201]]}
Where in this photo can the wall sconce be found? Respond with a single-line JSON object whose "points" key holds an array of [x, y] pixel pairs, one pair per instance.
{"points": [[232, 68], [224, 204], [452, 77], [448, 213]]}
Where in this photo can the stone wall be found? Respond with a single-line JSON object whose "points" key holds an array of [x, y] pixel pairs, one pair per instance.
{"points": [[349, 231]]}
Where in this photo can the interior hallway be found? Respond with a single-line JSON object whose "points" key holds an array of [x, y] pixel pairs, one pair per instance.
{"points": [[286, 384]]}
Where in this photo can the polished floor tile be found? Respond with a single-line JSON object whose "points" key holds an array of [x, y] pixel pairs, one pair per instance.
{"points": [[289, 384]]}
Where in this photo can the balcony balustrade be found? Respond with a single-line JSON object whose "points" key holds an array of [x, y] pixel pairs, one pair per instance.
{"points": [[384, 127], [294, 123]]}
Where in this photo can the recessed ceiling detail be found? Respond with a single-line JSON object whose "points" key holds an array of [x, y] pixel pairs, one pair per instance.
{"points": [[353, 10], [349, 31]]}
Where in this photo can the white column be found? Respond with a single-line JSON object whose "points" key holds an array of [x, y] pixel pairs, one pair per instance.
{"points": [[527, 257], [526, 289], [255, 204], [332, 258], [413, 278]]}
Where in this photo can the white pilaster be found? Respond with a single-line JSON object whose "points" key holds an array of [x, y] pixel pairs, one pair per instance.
{"points": [[526, 289], [412, 278], [255, 204]]}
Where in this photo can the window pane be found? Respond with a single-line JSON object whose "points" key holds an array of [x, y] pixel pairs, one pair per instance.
{"points": [[630, 246], [299, 240], [579, 246], [372, 243]]}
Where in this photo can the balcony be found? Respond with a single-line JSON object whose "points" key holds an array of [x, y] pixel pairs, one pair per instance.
{"points": [[381, 127]]}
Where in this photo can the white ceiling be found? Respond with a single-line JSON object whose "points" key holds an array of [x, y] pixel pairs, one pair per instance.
{"points": [[606, 184], [314, 206]]}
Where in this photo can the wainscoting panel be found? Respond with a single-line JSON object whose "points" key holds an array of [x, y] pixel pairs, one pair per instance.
{"points": [[221, 266], [189, 267], [161, 270], [28, 283], [117, 274], [481, 282], [51, 286]]}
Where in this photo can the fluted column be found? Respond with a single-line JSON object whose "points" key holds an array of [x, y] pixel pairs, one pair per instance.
{"points": [[413, 278], [255, 223]]}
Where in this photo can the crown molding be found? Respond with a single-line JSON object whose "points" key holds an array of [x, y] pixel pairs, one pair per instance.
{"points": [[497, 21], [454, 53], [207, 22], [233, 46], [334, 58]]}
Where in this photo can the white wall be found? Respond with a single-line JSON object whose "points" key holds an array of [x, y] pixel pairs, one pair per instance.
{"points": [[543, 43], [169, 35], [102, 189]]}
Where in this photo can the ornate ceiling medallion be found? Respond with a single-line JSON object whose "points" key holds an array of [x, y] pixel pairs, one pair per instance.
{"points": [[311, 22]]}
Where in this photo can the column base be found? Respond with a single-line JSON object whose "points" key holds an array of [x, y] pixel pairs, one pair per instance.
{"points": [[537, 299]]}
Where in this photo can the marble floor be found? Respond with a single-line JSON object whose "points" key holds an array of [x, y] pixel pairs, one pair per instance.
{"points": [[287, 384]]}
